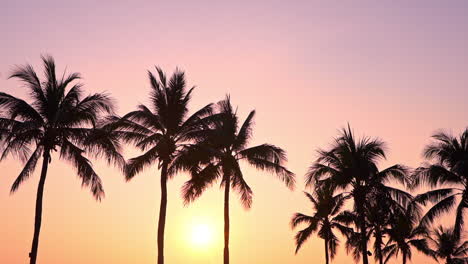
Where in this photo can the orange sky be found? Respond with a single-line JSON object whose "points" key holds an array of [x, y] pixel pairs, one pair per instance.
{"points": [[397, 71]]}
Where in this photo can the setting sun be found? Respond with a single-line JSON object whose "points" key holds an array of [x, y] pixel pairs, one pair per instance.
{"points": [[202, 235]]}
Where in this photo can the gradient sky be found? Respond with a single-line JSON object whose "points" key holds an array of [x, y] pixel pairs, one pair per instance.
{"points": [[393, 69]]}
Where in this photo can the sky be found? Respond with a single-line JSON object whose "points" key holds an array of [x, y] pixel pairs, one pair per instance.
{"points": [[392, 69]]}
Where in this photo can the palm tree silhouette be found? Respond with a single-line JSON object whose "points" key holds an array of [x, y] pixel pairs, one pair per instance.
{"points": [[351, 165], [218, 153], [160, 130], [447, 245], [451, 168], [379, 215], [60, 119], [404, 233], [327, 207]]}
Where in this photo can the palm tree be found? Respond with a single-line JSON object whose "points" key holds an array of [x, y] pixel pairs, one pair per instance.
{"points": [[378, 215], [218, 154], [405, 233], [60, 119], [327, 207], [351, 166], [450, 170], [447, 245], [160, 130]]}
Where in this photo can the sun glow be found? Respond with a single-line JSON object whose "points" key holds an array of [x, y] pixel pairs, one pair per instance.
{"points": [[202, 235]]}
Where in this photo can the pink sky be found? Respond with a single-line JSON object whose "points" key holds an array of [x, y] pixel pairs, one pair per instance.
{"points": [[394, 70]]}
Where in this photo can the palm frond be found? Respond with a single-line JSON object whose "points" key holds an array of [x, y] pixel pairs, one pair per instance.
{"points": [[245, 132], [284, 174], [137, 164], [438, 209], [434, 175], [303, 235], [239, 184], [433, 196], [200, 180], [84, 168], [18, 108], [28, 169]]}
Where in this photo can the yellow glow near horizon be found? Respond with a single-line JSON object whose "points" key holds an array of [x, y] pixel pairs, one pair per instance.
{"points": [[202, 235]]}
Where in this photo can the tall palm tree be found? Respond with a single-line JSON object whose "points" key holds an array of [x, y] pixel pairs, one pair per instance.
{"points": [[161, 130], [351, 165], [218, 155], [327, 208], [405, 233], [449, 170], [447, 245], [60, 119]]}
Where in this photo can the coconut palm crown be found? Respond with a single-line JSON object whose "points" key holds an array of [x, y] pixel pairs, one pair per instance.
{"points": [[160, 130], [449, 173], [57, 119], [218, 154]]}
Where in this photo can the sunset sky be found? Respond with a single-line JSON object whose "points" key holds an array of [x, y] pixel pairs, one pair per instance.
{"points": [[396, 70]]}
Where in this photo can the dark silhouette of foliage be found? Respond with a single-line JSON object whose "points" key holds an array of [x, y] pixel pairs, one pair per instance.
{"points": [[327, 208], [405, 233], [448, 246], [218, 153], [351, 166], [161, 131], [450, 171], [58, 119]]}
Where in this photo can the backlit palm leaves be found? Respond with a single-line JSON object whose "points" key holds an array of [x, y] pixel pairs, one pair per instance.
{"points": [[58, 119], [405, 233], [451, 172], [350, 165], [217, 154], [160, 130], [446, 245], [327, 208]]}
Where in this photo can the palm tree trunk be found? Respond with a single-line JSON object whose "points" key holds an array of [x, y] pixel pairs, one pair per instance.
{"points": [[404, 257], [365, 259], [38, 216], [362, 227], [227, 187], [162, 213], [378, 238], [326, 251]]}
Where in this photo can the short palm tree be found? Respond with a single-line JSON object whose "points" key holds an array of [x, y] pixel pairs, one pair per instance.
{"points": [[451, 171], [405, 233], [327, 208], [446, 245], [160, 130], [351, 165], [218, 154], [59, 119]]}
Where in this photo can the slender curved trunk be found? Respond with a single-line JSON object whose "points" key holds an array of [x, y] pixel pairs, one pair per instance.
{"points": [[404, 257], [162, 213], [38, 216], [226, 220], [326, 251]]}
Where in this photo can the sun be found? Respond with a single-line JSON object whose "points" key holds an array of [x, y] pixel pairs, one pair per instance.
{"points": [[202, 235]]}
